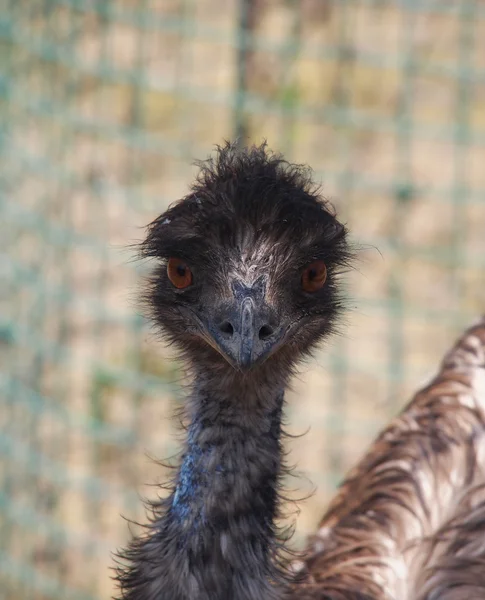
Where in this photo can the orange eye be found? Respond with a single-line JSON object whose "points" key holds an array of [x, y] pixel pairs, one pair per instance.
{"points": [[314, 276], [179, 273]]}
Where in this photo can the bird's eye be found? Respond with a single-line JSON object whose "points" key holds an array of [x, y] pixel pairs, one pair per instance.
{"points": [[314, 276], [179, 273]]}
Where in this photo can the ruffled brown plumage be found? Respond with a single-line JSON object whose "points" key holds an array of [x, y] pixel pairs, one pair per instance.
{"points": [[409, 520]]}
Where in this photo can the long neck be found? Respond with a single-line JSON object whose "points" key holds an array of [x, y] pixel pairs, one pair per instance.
{"points": [[214, 536]]}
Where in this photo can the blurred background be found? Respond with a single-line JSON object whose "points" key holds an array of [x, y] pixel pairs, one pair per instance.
{"points": [[104, 105]]}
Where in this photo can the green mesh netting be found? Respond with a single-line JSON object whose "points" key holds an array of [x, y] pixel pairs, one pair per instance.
{"points": [[103, 107]]}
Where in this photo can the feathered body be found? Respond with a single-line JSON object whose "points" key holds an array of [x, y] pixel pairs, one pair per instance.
{"points": [[408, 523], [246, 284]]}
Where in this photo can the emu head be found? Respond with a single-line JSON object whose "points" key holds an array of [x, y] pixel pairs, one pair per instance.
{"points": [[248, 264]]}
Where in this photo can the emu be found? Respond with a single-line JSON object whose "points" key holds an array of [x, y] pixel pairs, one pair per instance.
{"points": [[246, 285]]}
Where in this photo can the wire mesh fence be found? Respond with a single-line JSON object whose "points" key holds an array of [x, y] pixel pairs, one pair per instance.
{"points": [[104, 105]]}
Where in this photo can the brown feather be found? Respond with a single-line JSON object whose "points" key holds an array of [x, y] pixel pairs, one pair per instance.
{"points": [[454, 567], [392, 530]]}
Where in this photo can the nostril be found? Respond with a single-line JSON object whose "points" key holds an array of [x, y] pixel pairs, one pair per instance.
{"points": [[227, 328], [265, 332]]}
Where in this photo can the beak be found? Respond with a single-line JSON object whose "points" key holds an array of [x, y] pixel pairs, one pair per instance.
{"points": [[247, 331]]}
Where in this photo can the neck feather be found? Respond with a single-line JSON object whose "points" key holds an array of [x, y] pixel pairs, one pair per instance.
{"points": [[214, 537]]}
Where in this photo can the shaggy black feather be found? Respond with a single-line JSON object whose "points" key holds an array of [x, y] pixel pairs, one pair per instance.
{"points": [[249, 215]]}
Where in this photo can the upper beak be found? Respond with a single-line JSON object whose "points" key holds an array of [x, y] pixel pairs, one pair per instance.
{"points": [[246, 332]]}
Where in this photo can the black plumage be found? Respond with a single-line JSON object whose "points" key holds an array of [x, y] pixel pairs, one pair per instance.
{"points": [[262, 252]]}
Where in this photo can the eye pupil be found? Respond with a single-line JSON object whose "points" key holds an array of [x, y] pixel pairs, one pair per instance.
{"points": [[181, 270], [312, 274]]}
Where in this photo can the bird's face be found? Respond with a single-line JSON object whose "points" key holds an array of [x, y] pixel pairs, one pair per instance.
{"points": [[248, 273], [246, 303]]}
